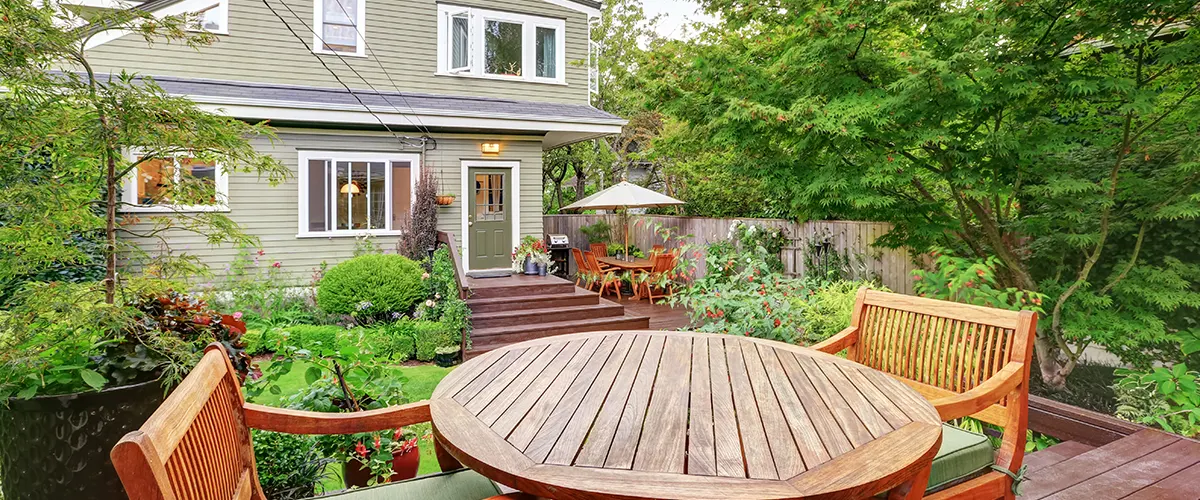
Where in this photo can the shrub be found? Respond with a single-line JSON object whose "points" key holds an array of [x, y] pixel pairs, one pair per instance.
{"points": [[289, 465], [372, 286], [431, 335], [420, 223], [1163, 396], [315, 338], [393, 341], [828, 309]]}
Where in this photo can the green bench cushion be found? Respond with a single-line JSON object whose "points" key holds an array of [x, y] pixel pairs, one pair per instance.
{"points": [[462, 484], [963, 455]]}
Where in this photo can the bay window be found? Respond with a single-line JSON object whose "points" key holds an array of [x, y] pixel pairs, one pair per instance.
{"points": [[174, 183], [483, 43], [354, 193]]}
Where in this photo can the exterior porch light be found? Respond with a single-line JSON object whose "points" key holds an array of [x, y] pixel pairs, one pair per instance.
{"points": [[490, 148]]}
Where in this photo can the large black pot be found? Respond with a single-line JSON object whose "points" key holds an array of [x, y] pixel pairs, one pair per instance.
{"points": [[56, 447]]}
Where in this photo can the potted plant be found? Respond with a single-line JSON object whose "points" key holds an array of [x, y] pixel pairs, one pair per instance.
{"points": [[523, 256], [542, 260], [447, 355], [444, 199], [78, 373], [349, 377]]}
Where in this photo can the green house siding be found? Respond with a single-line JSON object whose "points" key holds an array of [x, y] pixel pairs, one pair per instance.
{"points": [[272, 213], [401, 34]]}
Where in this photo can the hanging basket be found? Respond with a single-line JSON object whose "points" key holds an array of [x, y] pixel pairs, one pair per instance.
{"points": [[444, 199]]}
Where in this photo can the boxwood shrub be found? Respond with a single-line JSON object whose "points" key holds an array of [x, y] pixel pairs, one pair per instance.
{"points": [[431, 335], [373, 285], [395, 341], [315, 338]]}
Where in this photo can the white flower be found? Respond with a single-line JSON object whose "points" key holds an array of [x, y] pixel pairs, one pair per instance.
{"points": [[430, 303]]}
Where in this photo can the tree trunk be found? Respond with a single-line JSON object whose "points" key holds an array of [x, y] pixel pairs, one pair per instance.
{"points": [[580, 182], [110, 222]]}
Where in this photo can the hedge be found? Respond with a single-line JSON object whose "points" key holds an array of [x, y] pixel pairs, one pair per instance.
{"points": [[374, 285], [431, 335]]}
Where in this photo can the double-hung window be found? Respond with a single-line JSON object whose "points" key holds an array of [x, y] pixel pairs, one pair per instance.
{"points": [[175, 183], [354, 193], [502, 45], [215, 18], [339, 27]]}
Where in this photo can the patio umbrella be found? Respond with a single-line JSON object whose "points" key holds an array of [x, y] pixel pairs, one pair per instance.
{"points": [[624, 196]]}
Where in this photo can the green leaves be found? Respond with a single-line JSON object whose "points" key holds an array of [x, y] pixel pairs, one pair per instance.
{"points": [[92, 378]]}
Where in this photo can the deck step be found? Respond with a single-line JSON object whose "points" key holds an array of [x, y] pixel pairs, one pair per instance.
{"points": [[577, 297], [518, 288], [487, 339], [529, 318]]}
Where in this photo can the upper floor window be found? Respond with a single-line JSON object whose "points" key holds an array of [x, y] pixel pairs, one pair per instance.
{"points": [[493, 44], [339, 26], [216, 17], [175, 183]]}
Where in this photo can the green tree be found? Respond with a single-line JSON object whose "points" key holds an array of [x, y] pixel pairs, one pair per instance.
{"points": [[1057, 135], [58, 115]]}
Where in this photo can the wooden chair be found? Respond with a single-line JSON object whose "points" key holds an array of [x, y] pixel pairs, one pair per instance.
{"points": [[967, 360], [605, 277], [196, 446], [582, 269], [663, 264], [657, 249], [599, 249]]}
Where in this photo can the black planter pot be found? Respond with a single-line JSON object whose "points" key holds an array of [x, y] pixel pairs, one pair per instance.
{"points": [[56, 447], [446, 360]]}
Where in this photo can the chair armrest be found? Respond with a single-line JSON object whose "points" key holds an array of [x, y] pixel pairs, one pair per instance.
{"points": [[983, 395], [839, 342], [513, 496], [310, 422]]}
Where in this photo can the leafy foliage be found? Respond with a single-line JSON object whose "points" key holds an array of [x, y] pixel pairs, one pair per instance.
{"points": [[1164, 396], [372, 286], [971, 281], [420, 224], [1057, 138], [289, 466], [829, 307]]}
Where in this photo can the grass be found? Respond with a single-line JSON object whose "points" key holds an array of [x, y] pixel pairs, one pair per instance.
{"points": [[419, 384]]}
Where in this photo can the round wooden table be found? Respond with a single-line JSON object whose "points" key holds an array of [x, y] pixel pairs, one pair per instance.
{"points": [[679, 415]]}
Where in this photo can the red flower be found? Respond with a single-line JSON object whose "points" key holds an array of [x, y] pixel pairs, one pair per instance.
{"points": [[750, 278], [377, 442], [916, 277], [969, 284], [360, 449], [1037, 300], [276, 264], [261, 252], [720, 313], [777, 322], [979, 272]]}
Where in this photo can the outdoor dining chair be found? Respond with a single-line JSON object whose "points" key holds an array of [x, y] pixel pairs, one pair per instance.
{"points": [[583, 270], [967, 361], [197, 446], [599, 249], [663, 264], [606, 277]]}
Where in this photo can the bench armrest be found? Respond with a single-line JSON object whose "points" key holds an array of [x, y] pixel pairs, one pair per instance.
{"points": [[990, 392], [310, 422], [839, 342]]}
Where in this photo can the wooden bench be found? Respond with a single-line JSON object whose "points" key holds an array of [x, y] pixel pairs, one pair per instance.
{"points": [[967, 360], [196, 446]]}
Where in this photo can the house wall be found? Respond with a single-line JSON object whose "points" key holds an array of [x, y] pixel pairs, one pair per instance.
{"points": [[401, 34], [271, 213]]}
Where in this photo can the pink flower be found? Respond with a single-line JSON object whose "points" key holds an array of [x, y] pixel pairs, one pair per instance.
{"points": [[276, 264], [262, 252], [237, 315]]}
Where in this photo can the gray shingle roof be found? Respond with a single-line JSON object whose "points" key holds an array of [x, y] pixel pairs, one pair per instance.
{"points": [[402, 102]]}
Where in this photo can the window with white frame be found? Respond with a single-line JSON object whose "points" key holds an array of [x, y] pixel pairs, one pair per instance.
{"points": [[215, 18], [354, 193], [339, 26], [494, 44], [175, 183]]}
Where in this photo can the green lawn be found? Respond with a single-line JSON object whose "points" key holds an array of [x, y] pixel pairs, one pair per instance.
{"points": [[419, 384]]}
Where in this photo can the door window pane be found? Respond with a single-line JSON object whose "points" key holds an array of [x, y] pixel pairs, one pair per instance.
{"points": [[502, 48], [547, 55], [358, 195], [346, 190], [489, 197], [459, 42]]}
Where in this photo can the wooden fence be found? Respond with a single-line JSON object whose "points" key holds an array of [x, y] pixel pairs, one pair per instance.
{"points": [[821, 242]]}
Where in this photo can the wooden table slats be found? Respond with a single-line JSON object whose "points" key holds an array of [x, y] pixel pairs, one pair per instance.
{"points": [[642, 414]]}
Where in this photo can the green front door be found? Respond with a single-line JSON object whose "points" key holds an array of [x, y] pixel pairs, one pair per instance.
{"points": [[489, 220]]}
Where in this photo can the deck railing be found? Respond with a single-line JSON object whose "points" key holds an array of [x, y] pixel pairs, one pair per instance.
{"points": [[460, 278]]}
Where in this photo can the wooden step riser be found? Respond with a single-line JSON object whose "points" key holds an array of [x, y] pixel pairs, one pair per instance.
{"points": [[522, 290], [536, 302], [535, 318], [488, 342]]}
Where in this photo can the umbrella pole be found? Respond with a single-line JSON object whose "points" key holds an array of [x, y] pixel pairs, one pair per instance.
{"points": [[627, 258]]}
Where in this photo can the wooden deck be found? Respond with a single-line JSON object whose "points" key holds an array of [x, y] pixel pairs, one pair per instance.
{"points": [[1146, 465]]}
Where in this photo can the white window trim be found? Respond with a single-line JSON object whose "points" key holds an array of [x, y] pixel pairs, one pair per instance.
{"points": [[414, 160], [360, 25], [476, 19], [221, 8], [129, 194], [465, 170]]}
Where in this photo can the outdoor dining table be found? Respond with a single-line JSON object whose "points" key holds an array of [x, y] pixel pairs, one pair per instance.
{"points": [[634, 264], [675, 415]]}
